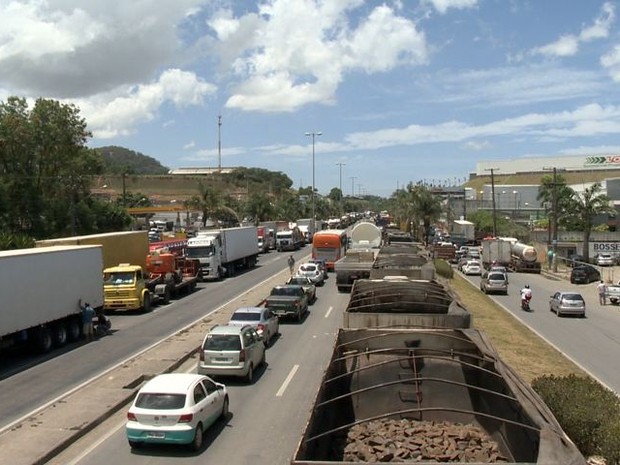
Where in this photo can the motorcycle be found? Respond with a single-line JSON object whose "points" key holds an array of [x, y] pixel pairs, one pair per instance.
{"points": [[525, 302]]}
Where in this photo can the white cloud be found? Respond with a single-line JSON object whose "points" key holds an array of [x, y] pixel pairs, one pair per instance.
{"points": [[442, 6], [568, 45], [611, 61], [69, 49], [114, 114], [190, 145], [301, 51], [477, 145]]}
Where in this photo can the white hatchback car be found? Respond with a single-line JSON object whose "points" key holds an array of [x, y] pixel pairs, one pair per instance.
{"points": [[175, 408], [313, 272], [262, 319], [472, 267]]}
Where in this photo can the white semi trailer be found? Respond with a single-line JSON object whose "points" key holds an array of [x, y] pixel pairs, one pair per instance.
{"points": [[222, 252], [41, 288]]}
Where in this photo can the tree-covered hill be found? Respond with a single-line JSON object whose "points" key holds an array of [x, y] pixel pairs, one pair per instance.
{"points": [[119, 160]]}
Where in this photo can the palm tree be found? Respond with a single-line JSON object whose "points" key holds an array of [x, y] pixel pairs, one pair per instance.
{"points": [[211, 202], [585, 207], [426, 207]]}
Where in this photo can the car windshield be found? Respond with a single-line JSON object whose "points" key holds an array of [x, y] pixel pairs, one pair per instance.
{"points": [[245, 316], [160, 401], [222, 342], [497, 277], [298, 280], [572, 297], [307, 268]]}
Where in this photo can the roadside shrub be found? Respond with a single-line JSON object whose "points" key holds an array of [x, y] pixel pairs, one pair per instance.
{"points": [[587, 411], [443, 268]]}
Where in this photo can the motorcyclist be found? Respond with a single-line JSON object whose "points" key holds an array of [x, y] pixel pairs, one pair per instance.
{"points": [[526, 294]]}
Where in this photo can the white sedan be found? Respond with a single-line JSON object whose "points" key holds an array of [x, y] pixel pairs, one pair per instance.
{"points": [[472, 267], [175, 408]]}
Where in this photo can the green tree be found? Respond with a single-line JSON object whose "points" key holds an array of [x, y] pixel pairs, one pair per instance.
{"points": [[258, 207], [211, 203], [586, 206]]}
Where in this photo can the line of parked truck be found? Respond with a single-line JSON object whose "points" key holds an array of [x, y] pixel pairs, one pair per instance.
{"points": [[410, 377], [119, 271]]}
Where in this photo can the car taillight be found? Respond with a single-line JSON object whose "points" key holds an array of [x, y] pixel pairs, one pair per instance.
{"points": [[186, 418], [131, 416], [260, 328], [242, 355]]}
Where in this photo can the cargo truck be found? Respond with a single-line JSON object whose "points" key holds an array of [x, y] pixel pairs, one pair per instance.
{"points": [[117, 247], [356, 264], [291, 240], [41, 288], [524, 258], [427, 396], [262, 233], [222, 252], [496, 250]]}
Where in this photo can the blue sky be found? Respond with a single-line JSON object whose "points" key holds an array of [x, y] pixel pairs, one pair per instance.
{"points": [[400, 90]]}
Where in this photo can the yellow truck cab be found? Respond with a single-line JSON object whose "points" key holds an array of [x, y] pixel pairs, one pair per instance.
{"points": [[126, 287]]}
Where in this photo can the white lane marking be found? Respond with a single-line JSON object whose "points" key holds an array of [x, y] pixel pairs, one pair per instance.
{"points": [[329, 310], [97, 443], [286, 382], [123, 362]]}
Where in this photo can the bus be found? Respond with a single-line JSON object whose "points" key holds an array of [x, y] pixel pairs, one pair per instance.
{"points": [[329, 245]]}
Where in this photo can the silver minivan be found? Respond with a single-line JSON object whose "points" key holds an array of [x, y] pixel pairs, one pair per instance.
{"points": [[494, 281], [232, 351]]}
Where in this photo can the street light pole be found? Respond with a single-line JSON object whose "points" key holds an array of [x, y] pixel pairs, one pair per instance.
{"points": [[492, 170], [313, 134], [341, 165], [353, 178]]}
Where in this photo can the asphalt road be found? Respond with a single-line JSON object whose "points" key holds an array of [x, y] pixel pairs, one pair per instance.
{"points": [[267, 417], [36, 381], [593, 342]]}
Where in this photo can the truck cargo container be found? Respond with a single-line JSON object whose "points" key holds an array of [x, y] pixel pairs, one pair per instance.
{"points": [[411, 395], [402, 259], [462, 232], [402, 302], [41, 288], [356, 264], [222, 252], [117, 247], [496, 250], [365, 235]]}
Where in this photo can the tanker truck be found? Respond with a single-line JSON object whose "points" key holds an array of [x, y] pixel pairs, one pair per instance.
{"points": [[524, 258], [365, 235]]}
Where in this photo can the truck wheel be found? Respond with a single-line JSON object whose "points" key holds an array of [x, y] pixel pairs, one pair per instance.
{"points": [[146, 305], [73, 330], [250, 376], [44, 340], [59, 335], [166, 298]]}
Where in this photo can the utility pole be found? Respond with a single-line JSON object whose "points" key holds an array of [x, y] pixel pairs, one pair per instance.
{"points": [[353, 178], [492, 170], [341, 165], [219, 143]]}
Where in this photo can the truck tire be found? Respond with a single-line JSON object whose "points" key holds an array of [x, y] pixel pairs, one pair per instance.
{"points": [[59, 335], [146, 304], [166, 297], [43, 339], [73, 329]]}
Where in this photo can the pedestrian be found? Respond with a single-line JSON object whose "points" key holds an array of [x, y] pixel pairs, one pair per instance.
{"points": [[88, 313], [602, 289], [291, 264]]}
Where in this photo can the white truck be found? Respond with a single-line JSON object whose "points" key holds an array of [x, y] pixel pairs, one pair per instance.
{"points": [[365, 235], [462, 232], [496, 250], [222, 252], [41, 288], [306, 227]]}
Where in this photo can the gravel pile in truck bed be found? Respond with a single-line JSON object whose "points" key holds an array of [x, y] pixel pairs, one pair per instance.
{"points": [[412, 441]]}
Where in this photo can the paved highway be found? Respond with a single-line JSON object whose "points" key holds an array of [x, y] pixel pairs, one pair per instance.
{"points": [[267, 417], [592, 342], [37, 385]]}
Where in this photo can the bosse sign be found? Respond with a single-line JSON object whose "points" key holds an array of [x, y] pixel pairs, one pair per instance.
{"points": [[604, 247]]}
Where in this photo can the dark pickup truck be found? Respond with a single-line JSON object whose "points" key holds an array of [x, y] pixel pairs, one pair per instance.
{"points": [[289, 300]]}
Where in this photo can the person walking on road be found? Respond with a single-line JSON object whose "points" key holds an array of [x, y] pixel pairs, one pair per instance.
{"points": [[291, 264], [88, 313], [601, 289]]}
